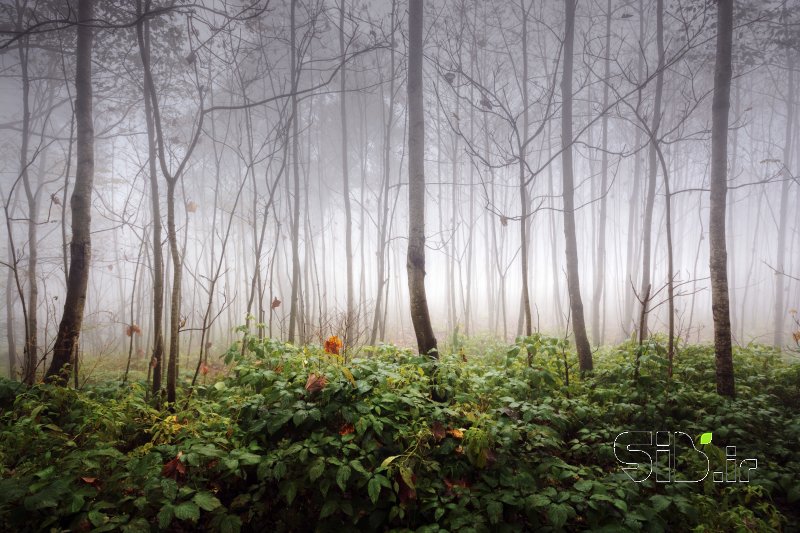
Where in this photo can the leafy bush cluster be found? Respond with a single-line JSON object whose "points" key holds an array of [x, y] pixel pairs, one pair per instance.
{"points": [[295, 439]]}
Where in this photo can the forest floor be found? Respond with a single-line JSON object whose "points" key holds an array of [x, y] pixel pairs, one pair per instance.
{"points": [[298, 439]]}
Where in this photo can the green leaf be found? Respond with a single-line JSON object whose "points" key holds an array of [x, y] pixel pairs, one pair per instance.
{"points": [[97, 518], [660, 502], [206, 501], [329, 508], [220, 385], [583, 485], [165, 516], [539, 500], [386, 462], [495, 511], [374, 489], [316, 470], [187, 511], [230, 524], [342, 475], [558, 514], [705, 438]]}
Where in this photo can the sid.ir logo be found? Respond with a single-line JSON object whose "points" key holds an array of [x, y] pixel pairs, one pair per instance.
{"points": [[674, 458]]}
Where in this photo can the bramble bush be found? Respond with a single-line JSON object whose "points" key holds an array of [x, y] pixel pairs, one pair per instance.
{"points": [[297, 439]]}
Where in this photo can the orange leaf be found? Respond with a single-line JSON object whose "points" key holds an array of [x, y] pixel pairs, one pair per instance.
{"points": [[346, 429], [89, 480], [456, 433], [333, 345], [204, 369]]}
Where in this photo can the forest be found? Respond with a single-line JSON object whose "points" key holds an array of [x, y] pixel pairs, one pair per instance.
{"points": [[386, 265]]}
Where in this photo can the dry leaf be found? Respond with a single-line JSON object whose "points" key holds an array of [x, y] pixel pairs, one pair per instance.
{"points": [[315, 383]]}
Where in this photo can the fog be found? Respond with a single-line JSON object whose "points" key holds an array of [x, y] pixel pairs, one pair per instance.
{"points": [[255, 151]]}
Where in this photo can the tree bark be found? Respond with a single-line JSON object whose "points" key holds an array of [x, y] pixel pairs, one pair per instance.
{"points": [[415, 258], [81, 203], [571, 245], [720, 304]]}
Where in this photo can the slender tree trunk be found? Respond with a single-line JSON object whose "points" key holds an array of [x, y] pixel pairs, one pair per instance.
{"points": [[31, 341], [780, 288], [12, 343], [415, 259], [81, 202], [348, 335], [156, 362], [573, 279], [719, 189], [632, 248], [296, 172], [647, 229], [598, 306], [384, 202], [523, 187]]}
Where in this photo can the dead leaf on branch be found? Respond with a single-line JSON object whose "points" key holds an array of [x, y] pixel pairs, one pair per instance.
{"points": [[315, 383]]}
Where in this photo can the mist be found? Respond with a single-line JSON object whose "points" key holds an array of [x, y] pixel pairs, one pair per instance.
{"points": [[298, 173]]}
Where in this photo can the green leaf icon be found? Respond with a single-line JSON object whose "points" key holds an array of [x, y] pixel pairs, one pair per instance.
{"points": [[705, 438]]}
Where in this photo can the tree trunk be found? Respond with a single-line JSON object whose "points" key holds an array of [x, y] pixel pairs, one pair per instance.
{"points": [[81, 203], [348, 334], [383, 216], [719, 189], [156, 362], [652, 169], [415, 259], [571, 245], [780, 287], [296, 172], [12, 344], [523, 188], [600, 258], [31, 341]]}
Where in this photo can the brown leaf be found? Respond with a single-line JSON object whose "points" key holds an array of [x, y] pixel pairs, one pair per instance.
{"points": [[346, 429], [438, 430], [89, 480], [315, 383], [191, 207], [406, 486], [503, 220], [55, 199], [174, 468], [275, 303]]}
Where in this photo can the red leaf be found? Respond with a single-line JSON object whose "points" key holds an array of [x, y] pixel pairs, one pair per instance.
{"points": [[346, 429]]}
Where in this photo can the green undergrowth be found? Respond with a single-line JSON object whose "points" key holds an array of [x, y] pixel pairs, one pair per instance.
{"points": [[295, 439]]}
